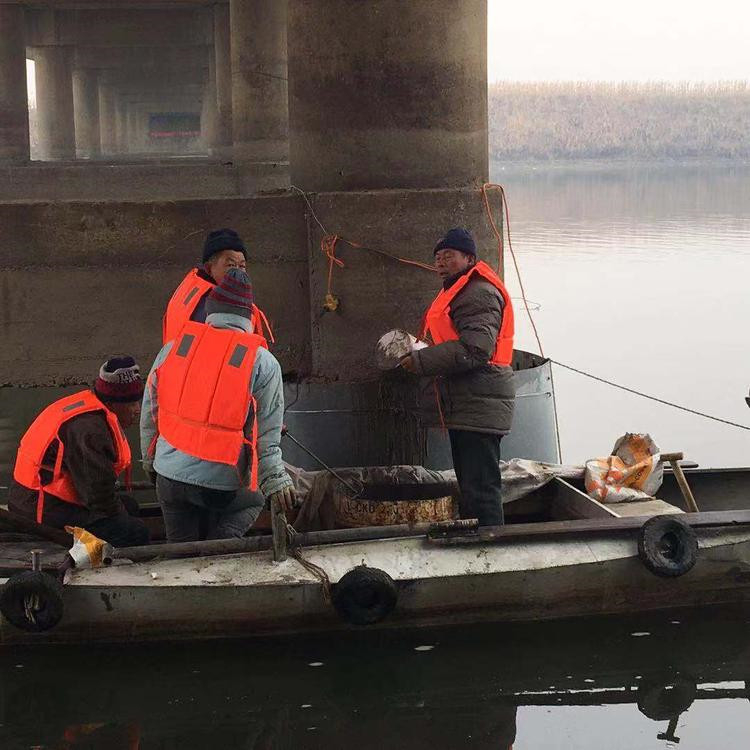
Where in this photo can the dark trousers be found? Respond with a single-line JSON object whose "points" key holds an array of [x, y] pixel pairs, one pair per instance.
{"points": [[124, 529], [476, 460], [193, 513]]}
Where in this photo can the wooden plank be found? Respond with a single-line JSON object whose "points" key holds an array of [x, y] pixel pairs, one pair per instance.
{"points": [[653, 507], [554, 530], [569, 503]]}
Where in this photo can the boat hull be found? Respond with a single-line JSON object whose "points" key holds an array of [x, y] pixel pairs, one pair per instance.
{"points": [[248, 594]]}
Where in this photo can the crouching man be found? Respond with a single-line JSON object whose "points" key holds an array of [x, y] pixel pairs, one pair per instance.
{"points": [[211, 421], [69, 459]]}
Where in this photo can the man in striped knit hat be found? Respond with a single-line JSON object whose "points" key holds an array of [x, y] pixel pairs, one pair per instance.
{"points": [[211, 421], [70, 457]]}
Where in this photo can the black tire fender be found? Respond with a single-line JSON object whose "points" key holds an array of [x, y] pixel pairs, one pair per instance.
{"points": [[664, 701], [46, 593], [668, 546], [364, 595]]}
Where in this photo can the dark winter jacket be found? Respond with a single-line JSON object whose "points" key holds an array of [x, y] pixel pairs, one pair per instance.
{"points": [[474, 395], [89, 456]]}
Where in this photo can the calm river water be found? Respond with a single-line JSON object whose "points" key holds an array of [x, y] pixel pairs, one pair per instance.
{"points": [[613, 683], [641, 274], [641, 277]]}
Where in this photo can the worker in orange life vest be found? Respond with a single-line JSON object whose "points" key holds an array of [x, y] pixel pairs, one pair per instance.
{"points": [[69, 459], [211, 421], [222, 250], [470, 325]]}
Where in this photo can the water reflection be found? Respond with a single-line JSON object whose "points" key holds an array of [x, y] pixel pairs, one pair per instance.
{"points": [[641, 274], [583, 684]]}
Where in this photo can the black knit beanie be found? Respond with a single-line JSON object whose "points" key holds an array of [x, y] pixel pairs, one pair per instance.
{"points": [[457, 238], [222, 239]]}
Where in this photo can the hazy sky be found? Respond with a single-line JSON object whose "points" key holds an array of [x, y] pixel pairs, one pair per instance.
{"points": [[640, 40], [600, 40]]}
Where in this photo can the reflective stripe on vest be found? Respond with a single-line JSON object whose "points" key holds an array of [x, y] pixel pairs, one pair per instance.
{"points": [[203, 394], [44, 431], [438, 322], [186, 298]]}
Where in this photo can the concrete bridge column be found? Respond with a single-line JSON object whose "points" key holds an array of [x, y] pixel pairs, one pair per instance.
{"points": [[86, 112], [142, 139], [54, 101], [132, 129], [14, 115], [223, 77], [209, 118], [387, 94], [107, 120], [260, 116], [121, 139]]}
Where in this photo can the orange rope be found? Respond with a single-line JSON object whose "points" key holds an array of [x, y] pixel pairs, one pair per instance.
{"points": [[328, 246], [498, 234]]}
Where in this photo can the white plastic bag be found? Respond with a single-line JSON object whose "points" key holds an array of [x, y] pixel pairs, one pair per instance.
{"points": [[633, 472], [394, 346]]}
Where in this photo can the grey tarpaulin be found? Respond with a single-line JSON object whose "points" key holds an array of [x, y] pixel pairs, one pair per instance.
{"points": [[318, 489]]}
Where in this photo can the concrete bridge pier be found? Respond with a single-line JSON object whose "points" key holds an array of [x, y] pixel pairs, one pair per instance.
{"points": [[260, 118], [54, 101], [132, 128], [387, 94], [121, 146], [222, 75], [14, 116], [209, 117], [107, 120], [86, 113]]}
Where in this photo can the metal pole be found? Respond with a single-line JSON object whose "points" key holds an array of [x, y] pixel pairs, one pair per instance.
{"points": [[343, 481]]}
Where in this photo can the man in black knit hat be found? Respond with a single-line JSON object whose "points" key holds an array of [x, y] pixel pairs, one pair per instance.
{"points": [[222, 250], [470, 325]]}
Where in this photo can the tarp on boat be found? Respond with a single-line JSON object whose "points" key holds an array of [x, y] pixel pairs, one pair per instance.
{"points": [[403, 494]]}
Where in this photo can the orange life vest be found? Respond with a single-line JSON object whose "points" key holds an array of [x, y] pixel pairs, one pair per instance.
{"points": [[44, 430], [186, 298], [203, 393], [438, 323]]}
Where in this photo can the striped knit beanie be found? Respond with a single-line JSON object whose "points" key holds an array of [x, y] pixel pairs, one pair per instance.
{"points": [[234, 295], [119, 380]]}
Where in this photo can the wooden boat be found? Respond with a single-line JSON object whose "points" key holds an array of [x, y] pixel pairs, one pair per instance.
{"points": [[561, 554]]}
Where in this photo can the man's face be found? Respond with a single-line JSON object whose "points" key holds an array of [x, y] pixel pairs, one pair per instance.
{"points": [[127, 414], [449, 262], [218, 264]]}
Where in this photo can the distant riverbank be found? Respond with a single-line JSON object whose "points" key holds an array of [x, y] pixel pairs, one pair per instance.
{"points": [[619, 122], [500, 167]]}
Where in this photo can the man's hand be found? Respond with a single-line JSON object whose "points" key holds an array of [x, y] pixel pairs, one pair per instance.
{"points": [[409, 364], [287, 499]]}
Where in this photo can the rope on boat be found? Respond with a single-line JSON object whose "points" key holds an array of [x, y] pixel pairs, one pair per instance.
{"points": [[652, 398], [311, 567]]}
